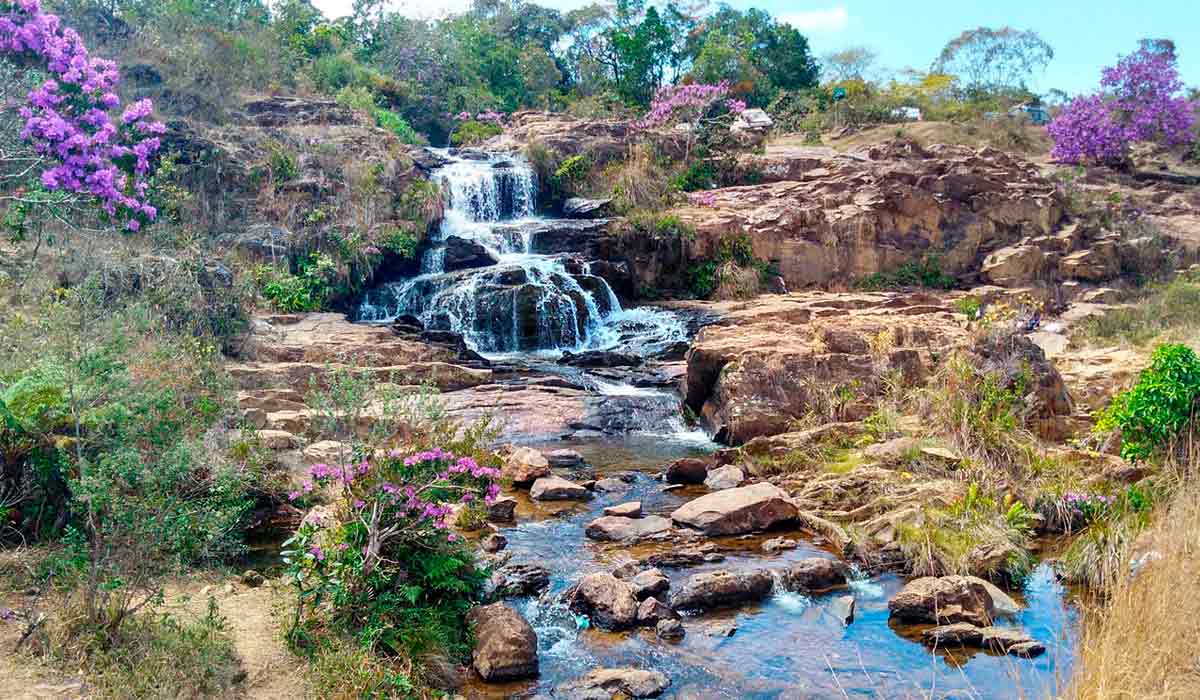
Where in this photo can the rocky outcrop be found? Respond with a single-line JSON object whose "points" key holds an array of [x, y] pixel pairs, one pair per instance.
{"points": [[581, 208], [737, 510], [505, 644], [762, 365], [825, 218], [606, 683], [721, 588], [945, 600], [607, 600], [650, 582], [463, 254]]}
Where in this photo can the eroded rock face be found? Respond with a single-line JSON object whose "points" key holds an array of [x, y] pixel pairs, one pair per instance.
{"points": [[945, 600], [505, 644], [721, 588], [607, 600], [738, 510]]}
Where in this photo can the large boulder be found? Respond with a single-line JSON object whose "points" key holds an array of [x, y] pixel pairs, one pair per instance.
{"points": [[721, 588], [814, 574], [524, 465], [688, 470], [737, 511], [650, 582], [945, 600], [726, 477], [615, 528], [463, 254], [607, 683], [554, 488], [606, 599], [505, 644]]}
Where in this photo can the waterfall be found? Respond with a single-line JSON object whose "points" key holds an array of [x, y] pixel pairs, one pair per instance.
{"points": [[520, 302]]}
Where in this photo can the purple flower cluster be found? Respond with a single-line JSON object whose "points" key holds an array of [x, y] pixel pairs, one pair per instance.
{"points": [[685, 102], [490, 116], [1139, 101], [703, 199], [68, 116]]}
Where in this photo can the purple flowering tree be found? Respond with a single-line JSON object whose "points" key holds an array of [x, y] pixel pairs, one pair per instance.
{"points": [[1140, 100], [694, 105], [369, 556], [72, 121]]}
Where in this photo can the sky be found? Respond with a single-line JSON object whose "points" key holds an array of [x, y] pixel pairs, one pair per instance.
{"points": [[1086, 34]]}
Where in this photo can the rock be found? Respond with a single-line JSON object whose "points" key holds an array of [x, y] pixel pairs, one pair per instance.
{"points": [[738, 510], [502, 509], [463, 254], [581, 208], [1001, 640], [564, 459], [252, 578], [279, 440], [779, 544], [687, 471], [1015, 266], [632, 509], [651, 610], [611, 485], [627, 570], [994, 559], [505, 644], [723, 478], [721, 588], [1001, 601], [944, 600], [604, 598], [650, 582], [554, 488], [723, 629], [607, 683], [670, 630], [813, 575], [842, 609], [601, 358], [514, 580], [493, 543], [524, 465], [613, 528]]}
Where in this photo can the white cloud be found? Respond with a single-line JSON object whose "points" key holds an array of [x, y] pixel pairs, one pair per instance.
{"points": [[833, 19]]}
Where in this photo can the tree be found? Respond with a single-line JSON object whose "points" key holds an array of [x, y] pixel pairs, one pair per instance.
{"points": [[850, 62], [1139, 100], [991, 61]]}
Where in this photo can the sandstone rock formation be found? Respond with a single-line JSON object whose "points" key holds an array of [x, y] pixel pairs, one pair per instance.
{"points": [[615, 528], [737, 511]]}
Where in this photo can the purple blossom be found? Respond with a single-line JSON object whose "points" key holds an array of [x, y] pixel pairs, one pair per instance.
{"points": [[317, 553], [67, 118]]}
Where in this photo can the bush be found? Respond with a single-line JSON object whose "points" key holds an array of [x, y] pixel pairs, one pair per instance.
{"points": [[282, 162], [396, 124], [926, 273], [309, 290], [1159, 407], [473, 132]]}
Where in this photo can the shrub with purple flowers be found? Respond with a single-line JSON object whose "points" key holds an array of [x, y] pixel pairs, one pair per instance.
{"points": [[69, 117], [1139, 100], [383, 563]]}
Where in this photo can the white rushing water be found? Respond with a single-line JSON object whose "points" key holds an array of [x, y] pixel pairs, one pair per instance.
{"points": [[525, 302]]}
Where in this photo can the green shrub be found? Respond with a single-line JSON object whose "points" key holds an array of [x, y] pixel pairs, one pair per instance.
{"points": [[699, 175], [926, 273], [309, 290], [968, 306], [472, 132], [421, 203], [1159, 407], [573, 170], [282, 162], [396, 124]]}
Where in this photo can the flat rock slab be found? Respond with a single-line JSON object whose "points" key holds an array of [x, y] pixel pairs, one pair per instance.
{"points": [[633, 509], [615, 682], [555, 488], [738, 511], [1001, 640], [721, 588], [614, 528]]}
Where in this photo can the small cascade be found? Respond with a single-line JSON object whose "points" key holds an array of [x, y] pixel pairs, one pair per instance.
{"points": [[517, 300]]}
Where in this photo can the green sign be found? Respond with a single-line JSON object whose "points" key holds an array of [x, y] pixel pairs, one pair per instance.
{"points": [[839, 94]]}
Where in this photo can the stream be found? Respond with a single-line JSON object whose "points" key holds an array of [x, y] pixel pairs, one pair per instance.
{"points": [[498, 274]]}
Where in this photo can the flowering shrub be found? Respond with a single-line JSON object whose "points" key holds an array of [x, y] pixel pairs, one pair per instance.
{"points": [[1139, 101], [687, 103], [383, 563], [68, 117]]}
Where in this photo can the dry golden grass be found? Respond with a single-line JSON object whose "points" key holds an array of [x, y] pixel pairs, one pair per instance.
{"points": [[1145, 643]]}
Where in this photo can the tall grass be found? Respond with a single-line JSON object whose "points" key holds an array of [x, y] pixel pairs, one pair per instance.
{"points": [[1143, 642], [1171, 309]]}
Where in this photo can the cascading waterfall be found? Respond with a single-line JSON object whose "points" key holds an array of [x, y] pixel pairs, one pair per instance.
{"points": [[523, 301]]}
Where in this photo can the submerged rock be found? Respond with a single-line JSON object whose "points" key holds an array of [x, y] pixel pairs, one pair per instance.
{"points": [[505, 644], [721, 588], [842, 609], [604, 598], [553, 488], [564, 459], [779, 544], [1001, 640], [738, 510], [944, 600], [606, 683]]}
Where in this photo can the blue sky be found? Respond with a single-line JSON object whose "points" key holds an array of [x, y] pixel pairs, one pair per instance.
{"points": [[1086, 34]]}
